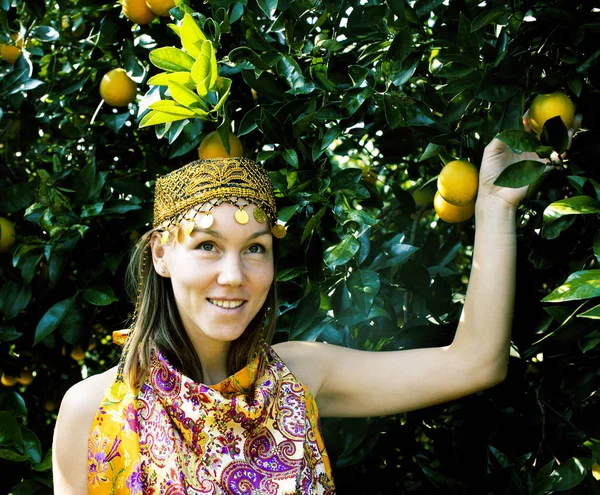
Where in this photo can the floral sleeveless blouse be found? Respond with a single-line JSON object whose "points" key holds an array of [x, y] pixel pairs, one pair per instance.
{"points": [[245, 435]]}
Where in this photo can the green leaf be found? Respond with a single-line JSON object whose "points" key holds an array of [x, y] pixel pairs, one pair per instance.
{"points": [[183, 77], [570, 473], [171, 59], [400, 47], [52, 319], [392, 253], [577, 205], [99, 294], [341, 253], [15, 298], [363, 286], [245, 54], [519, 141], [183, 95], [222, 87], [291, 157], [318, 72], [268, 7], [32, 447], [115, 121], [596, 245], [305, 313], [312, 224], [8, 334], [10, 431], [593, 313], [584, 284], [486, 18], [520, 174], [191, 35], [46, 464], [11, 455]]}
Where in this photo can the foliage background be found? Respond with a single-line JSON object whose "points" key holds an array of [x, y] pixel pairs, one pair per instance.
{"points": [[351, 106]]}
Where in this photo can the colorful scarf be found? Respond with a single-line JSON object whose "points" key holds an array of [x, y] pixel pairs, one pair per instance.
{"points": [[245, 435]]}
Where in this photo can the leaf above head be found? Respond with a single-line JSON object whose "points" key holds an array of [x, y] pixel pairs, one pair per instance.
{"points": [[577, 205], [519, 141], [171, 59], [184, 96], [52, 319], [182, 77], [222, 87], [192, 36], [520, 174]]}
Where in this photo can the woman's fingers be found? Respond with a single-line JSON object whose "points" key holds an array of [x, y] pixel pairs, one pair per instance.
{"points": [[526, 121]]}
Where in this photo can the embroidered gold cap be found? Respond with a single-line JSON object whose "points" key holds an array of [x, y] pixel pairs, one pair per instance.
{"points": [[186, 196]]}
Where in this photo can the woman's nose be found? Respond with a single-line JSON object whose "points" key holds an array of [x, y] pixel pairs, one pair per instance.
{"points": [[231, 271]]}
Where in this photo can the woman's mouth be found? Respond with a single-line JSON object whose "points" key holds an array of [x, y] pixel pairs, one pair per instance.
{"points": [[227, 304]]}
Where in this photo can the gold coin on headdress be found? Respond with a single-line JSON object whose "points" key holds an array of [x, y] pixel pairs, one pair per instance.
{"points": [[241, 216], [279, 231], [204, 220], [259, 215], [164, 237]]}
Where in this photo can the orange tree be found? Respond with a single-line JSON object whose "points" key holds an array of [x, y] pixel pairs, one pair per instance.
{"points": [[352, 107]]}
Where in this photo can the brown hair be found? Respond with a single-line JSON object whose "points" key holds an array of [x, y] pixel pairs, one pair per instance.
{"points": [[158, 324]]}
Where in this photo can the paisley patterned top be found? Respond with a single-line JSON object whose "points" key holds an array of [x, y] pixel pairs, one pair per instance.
{"points": [[245, 435]]}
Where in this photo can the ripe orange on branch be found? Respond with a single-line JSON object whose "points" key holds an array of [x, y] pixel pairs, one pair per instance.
{"points": [[458, 182], [212, 146], [160, 7], [545, 107], [451, 213], [138, 12], [117, 89], [10, 53]]}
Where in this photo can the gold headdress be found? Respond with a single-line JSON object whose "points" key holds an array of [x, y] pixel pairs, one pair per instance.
{"points": [[187, 195]]}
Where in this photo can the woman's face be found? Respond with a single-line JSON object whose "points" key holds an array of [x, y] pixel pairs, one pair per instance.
{"points": [[221, 275]]}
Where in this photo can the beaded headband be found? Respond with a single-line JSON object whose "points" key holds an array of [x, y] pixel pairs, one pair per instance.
{"points": [[186, 196]]}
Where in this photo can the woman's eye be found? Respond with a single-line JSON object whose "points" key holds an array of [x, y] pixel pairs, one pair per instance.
{"points": [[256, 248], [206, 246]]}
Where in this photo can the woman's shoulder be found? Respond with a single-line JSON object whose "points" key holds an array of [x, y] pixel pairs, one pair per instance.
{"points": [[75, 417], [302, 359], [80, 403]]}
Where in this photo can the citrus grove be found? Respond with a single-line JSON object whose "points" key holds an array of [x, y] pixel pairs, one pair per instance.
{"points": [[371, 119]]}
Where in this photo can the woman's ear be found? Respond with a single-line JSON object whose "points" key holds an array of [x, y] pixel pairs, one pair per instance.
{"points": [[158, 255]]}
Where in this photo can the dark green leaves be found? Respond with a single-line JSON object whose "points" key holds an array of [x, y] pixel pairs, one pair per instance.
{"points": [[99, 294], [521, 174], [555, 134], [343, 252], [579, 285], [519, 141], [577, 205], [52, 319]]}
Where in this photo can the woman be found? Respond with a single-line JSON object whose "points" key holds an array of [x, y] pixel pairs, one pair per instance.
{"points": [[200, 404]]}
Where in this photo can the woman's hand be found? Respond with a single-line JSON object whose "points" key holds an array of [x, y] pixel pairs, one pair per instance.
{"points": [[497, 157]]}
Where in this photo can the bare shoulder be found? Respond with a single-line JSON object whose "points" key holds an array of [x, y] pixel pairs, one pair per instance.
{"points": [[304, 361], [71, 433]]}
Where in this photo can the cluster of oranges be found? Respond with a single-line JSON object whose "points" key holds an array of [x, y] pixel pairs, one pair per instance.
{"points": [[457, 187]]}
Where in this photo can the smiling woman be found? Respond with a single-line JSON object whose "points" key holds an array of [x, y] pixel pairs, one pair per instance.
{"points": [[201, 403]]}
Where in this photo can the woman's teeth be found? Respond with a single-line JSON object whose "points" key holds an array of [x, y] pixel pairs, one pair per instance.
{"points": [[226, 304]]}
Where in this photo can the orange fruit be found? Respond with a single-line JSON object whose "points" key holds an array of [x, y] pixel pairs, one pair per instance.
{"points": [[77, 353], [160, 7], [544, 107], [138, 12], [8, 380], [212, 146], [10, 53], [7, 235], [458, 182], [26, 377], [50, 405], [117, 89], [451, 213]]}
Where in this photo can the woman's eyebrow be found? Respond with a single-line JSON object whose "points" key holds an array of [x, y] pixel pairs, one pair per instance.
{"points": [[218, 235]]}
